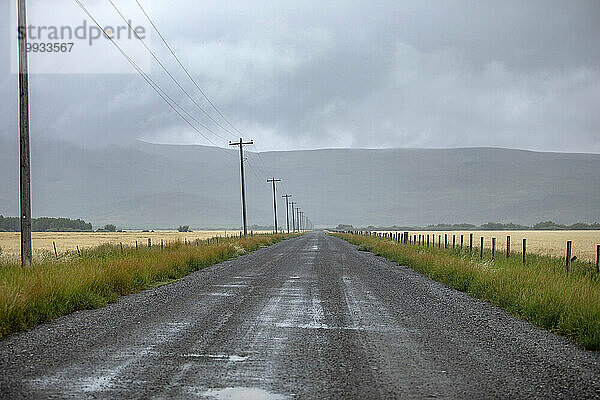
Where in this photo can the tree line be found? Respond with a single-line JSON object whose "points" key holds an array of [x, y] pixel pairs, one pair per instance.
{"points": [[45, 224]]}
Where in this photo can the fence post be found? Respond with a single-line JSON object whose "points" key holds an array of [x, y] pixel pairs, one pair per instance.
{"points": [[149, 243], [453, 241], [427, 240], [462, 239], [598, 258], [481, 248], [136, 245], [445, 240], [55, 253], [493, 248], [78, 252], [470, 242], [439, 241], [162, 245], [121, 247], [524, 251], [569, 249], [508, 247]]}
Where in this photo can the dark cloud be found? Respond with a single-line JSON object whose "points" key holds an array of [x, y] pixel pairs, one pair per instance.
{"points": [[346, 73]]}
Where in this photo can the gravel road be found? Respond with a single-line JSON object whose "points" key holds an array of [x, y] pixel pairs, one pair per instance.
{"points": [[307, 318]]}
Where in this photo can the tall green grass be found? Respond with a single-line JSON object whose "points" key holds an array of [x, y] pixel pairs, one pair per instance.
{"points": [[54, 288], [541, 292]]}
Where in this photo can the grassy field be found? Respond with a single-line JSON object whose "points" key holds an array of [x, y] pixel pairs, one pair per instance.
{"points": [[66, 242], [540, 242], [102, 274], [541, 292]]}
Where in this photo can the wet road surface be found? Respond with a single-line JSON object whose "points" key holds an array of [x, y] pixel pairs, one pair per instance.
{"points": [[310, 317]]}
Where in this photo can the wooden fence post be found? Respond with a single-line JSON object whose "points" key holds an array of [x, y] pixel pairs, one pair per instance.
{"points": [[149, 243], [453, 241], [462, 240], [439, 241], [427, 240], [598, 258], [55, 253], [78, 252], [524, 251], [481, 248], [445, 240], [569, 249], [136, 245], [508, 247], [162, 245], [493, 248], [470, 242], [121, 247]]}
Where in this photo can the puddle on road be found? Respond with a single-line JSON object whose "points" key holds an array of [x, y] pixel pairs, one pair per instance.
{"points": [[242, 393], [223, 357], [231, 286], [215, 294]]}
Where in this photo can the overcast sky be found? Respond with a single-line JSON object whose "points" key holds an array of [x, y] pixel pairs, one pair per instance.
{"points": [[314, 74]]}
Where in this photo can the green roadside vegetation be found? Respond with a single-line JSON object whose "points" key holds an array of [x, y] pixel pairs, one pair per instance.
{"points": [[53, 288], [541, 292]]}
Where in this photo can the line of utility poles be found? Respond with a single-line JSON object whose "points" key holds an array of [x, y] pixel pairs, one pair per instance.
{"points": [[25, 167], [298, 221]]}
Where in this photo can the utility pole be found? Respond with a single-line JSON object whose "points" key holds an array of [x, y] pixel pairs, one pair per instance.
{"points": [[25, 166], [298, 218], [287, 211], [241, 144], [293, 217], [274, 200]]}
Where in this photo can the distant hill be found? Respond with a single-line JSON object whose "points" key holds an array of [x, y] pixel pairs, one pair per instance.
{"points": [[161, 186]]}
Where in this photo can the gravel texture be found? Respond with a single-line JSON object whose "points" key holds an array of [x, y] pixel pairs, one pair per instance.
{"points": [[310, 317]]}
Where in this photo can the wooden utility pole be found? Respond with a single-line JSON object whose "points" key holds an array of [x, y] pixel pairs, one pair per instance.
{"points": [[298, 219], [25, 167], [293, 217], [287, 211], [273, 180], [241, 144]]}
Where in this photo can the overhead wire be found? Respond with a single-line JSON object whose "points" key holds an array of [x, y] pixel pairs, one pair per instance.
{"points": [[155, 27], [166, 98], [160, 63], [261, 165]]}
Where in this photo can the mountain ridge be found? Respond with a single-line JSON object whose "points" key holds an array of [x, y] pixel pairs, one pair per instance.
{"points": [[148, 185]]}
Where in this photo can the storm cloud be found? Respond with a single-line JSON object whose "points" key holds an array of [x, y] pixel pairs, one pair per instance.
{"points": [[300, 75]]}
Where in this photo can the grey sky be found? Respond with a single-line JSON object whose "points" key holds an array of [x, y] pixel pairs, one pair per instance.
{"points": [[295, 75]]}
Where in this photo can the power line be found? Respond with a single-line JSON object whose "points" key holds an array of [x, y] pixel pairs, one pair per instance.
{"points": [[185, 69], [171, 75], [170, 102]]}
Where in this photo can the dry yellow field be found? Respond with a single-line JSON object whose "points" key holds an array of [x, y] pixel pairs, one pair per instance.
{"points": [[10, 242], [541, 242]]}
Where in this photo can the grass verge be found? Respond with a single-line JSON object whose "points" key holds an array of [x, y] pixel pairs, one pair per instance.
{"points": [[541, 292], [54, 288]]}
